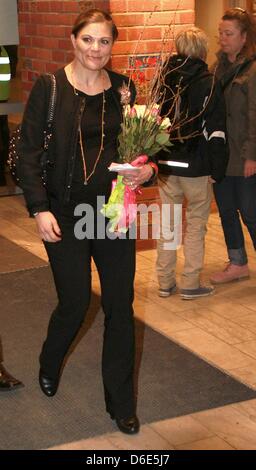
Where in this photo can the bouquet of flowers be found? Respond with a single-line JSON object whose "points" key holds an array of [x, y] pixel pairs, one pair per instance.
{"points": [[143, 134]]}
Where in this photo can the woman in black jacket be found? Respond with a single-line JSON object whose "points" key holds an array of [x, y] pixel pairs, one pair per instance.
{"points": [[197, 159], [87, 121]]}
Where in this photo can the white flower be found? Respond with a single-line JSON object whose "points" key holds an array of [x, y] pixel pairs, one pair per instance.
{"points": [[165, 123], [140, 110]]}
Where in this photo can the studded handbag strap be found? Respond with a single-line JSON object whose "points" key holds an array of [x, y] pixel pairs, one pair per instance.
{"points": [[51, 111], [53, 97]]}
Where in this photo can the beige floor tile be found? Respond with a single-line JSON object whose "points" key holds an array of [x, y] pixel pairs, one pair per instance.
{"points": [[144, 263], [209, 321], [231, 425], [146, 275], [146, 439], [149, 254], [212, 443], [248, 348], [242, 293], [248, 408], [181, 430], [159, 318], [246, 374], [250, 301], [213, 349], [14, 202], [228, 309], [173, 303], [27, 224], [220, 256], [23, 238], [247, 321]]}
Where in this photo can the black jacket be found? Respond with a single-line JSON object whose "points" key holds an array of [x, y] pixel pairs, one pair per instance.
{"points": [[201, 112], [62, 149]]}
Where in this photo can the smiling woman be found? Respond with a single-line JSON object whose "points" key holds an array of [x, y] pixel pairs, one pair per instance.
{"points": [[86, 125], [92, 49]]}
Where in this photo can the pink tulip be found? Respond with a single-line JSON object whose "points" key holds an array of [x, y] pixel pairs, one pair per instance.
{"points": [[154, 111], [133, 112]]}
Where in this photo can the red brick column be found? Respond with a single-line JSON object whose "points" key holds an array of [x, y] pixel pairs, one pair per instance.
{"points": [[45, 31]]}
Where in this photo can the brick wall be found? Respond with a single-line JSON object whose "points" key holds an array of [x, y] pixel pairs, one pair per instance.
{"points": [[45, 32]]}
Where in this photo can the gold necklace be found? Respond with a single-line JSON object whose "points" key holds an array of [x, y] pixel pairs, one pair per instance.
{"points": [[87, 177]]}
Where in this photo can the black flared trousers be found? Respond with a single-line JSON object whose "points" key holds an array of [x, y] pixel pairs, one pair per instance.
{"points": [[70, 260]]}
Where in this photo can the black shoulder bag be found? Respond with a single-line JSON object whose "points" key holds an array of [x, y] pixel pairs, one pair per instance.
{"points": [[15, 157]]}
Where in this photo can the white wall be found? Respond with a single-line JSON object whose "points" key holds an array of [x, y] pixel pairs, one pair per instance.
{"points": [[208, 15]]}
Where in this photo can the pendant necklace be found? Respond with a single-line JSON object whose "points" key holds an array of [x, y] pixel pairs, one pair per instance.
{"points": [[87, 177]]}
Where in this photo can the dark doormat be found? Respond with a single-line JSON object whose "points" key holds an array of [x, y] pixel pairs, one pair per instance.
{"points": [[171, 381], [15, 258]]}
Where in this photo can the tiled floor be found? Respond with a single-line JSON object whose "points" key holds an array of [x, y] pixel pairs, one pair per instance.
{"points": [[221, 329]]}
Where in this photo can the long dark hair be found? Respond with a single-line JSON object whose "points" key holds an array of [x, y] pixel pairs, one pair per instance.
{"points": [[247, 24], [94, 16]]}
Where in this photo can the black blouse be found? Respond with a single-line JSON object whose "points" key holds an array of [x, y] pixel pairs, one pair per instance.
{"points": [[91, 125]]}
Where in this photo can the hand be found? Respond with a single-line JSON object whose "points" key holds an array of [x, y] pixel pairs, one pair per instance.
{"points": [[48, 227], [211, 180], [135, 178], [249, 168]]}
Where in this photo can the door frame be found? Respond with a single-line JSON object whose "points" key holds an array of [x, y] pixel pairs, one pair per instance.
{"points": [[250, 4]]}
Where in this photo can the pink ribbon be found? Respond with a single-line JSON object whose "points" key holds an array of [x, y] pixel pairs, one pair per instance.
{"points": [[129, 212]]}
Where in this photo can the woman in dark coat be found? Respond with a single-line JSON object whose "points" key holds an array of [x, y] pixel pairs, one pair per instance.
{"points": [[236, 194]]}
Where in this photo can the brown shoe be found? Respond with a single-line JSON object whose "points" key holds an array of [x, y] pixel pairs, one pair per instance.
{"points": [[232, 272], [7, 381]]}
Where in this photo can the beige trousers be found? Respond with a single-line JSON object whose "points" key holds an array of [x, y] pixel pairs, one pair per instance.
{"points": [[198, 194]]}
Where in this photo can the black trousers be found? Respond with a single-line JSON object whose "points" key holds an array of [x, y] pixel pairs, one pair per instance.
{"points": [[70, 260]]}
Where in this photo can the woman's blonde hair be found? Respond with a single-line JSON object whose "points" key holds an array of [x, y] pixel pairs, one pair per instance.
{"points": [[192, 42]]}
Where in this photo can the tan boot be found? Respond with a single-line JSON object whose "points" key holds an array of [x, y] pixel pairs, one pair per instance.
{"points": [[232, 272]]}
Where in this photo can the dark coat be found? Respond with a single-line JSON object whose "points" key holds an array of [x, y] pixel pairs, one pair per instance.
{"points": [[62, 149], [201, 112], [238, 80]]}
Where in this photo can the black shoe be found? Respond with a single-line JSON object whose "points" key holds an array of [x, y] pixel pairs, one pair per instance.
{"points": [[167, 292], [201, 291], [128, 425], [48, 385], [7, 382]]}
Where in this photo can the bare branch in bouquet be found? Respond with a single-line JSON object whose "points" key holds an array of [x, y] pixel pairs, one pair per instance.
{"points": [[146, 129], [156, 89]]}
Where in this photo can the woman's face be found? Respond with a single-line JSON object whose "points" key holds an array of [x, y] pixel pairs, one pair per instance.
{"points": [[93, 45], [231, 38]]}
